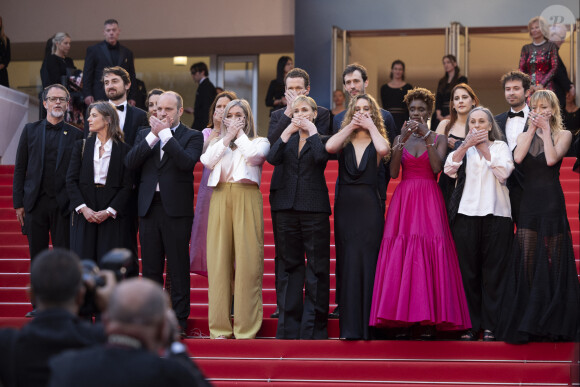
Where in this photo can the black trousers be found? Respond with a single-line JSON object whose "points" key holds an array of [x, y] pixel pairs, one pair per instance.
{"points": [[44, 219], [165, 236], [303, 315], [277, 263], [483, 248]]}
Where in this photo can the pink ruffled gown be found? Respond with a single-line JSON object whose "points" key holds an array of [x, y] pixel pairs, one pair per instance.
{"points": [[417, 278]]}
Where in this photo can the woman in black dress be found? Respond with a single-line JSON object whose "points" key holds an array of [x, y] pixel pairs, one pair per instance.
{"points": [[275, 96], [446, 84], [393, 93], [463, 100], [4, 56], [302, 226], [60, 68], [542, 295], [358, 212], [99, 186]]}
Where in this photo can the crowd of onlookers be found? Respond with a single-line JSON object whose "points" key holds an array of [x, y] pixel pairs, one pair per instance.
{"points": [[442, 256]]}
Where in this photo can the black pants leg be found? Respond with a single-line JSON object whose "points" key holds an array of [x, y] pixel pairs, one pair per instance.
{"points": [[44, 219], [316, 238]]}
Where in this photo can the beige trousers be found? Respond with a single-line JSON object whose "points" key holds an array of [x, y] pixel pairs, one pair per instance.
{"points": [[235, 239]]}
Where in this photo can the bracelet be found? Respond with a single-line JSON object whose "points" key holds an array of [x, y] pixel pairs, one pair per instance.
{"points": [[426, 135], [399, 146], [432, 144]]}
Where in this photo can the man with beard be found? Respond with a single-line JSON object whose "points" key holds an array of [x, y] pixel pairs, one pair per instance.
{"points": [[165, 155], [107, 53], [39, 193], [516, 86], [117, 82]]}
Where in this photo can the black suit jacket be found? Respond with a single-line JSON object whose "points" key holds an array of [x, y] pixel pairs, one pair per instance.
{"points": [[562, 83], [134, 120], [280, 121], [24, 355], [97, 58], [30, 163], [80, 179], [174, 172], [303, 185], [114, 366], [203, 99]]}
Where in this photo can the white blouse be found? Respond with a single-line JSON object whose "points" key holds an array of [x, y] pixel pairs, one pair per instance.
{"points": [[242, 165], [485, 191]]}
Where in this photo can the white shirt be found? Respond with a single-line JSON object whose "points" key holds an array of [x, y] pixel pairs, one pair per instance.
{"points": [[164, 136], [122, 114], [101, 168], [242, 165], [485, 191], [515, 126]]}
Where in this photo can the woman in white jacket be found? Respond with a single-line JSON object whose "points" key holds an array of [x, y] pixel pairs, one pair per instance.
{"points": [[235, 230], [480, 215]]}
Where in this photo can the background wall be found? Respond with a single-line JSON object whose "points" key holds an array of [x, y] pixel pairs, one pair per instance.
{"points": [[315, 19]]}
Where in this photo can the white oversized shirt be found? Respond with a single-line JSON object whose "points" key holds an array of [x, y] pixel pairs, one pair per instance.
{"points": [[242, 165], [485, 191]]}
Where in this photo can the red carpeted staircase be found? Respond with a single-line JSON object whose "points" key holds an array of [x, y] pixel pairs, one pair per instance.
{"points": [[329, 362]]}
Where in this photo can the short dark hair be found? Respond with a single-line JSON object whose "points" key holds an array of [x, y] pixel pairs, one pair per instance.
{"points": [[351, 68], [516, 75], [199, 66], [117, 70], [298, 73], [111, 21], [56, 276], [57, 86]]}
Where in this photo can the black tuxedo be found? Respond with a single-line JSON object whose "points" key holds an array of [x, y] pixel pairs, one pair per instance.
{"points": [[121, 366], [300, 200], [514, 182], [134, 120], [166, 216], [562, 83], [97, 58], [28, 187], [278, 122], [92, 240], [24, 354], [204, 97]]}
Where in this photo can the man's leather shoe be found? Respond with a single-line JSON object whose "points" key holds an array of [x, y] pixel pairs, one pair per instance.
{"points": [[276, 314], [31, 314], [335, 313]]}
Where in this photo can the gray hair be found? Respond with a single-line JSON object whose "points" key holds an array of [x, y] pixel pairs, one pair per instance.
{"points": [[495, 133]]}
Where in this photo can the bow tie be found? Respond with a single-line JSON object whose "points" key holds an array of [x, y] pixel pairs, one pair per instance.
{"points": [[518, 114], [121, 108]]}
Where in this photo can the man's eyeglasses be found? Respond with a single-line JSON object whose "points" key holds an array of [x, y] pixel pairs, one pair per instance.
{"points": [[55, 99]]}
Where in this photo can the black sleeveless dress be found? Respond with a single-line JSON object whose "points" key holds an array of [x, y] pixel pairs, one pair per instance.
{"points": [[358, 230], [446, 183], [542, 295]]}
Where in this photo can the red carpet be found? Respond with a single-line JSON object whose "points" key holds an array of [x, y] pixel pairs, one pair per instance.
{"points": [[330, 362]]}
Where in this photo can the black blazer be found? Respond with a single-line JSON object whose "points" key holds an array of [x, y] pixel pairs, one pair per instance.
{"points": [[30, 163], [562, 83], [204, 97], [174, 172], [117, 366], [97, 58], [134, 120], [303, 185], [80, 179], [280, 121]]}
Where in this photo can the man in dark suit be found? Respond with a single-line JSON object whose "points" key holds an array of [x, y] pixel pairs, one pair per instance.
{"points": [[204, 95], [165, 155], [512, 123], [57, 288], [297, 82], [107, 53], [39, 193], [355, 81], [138, 327]]}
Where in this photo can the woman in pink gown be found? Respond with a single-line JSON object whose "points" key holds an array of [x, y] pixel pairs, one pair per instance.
{"points": [[417, 280], [197, 251]]}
